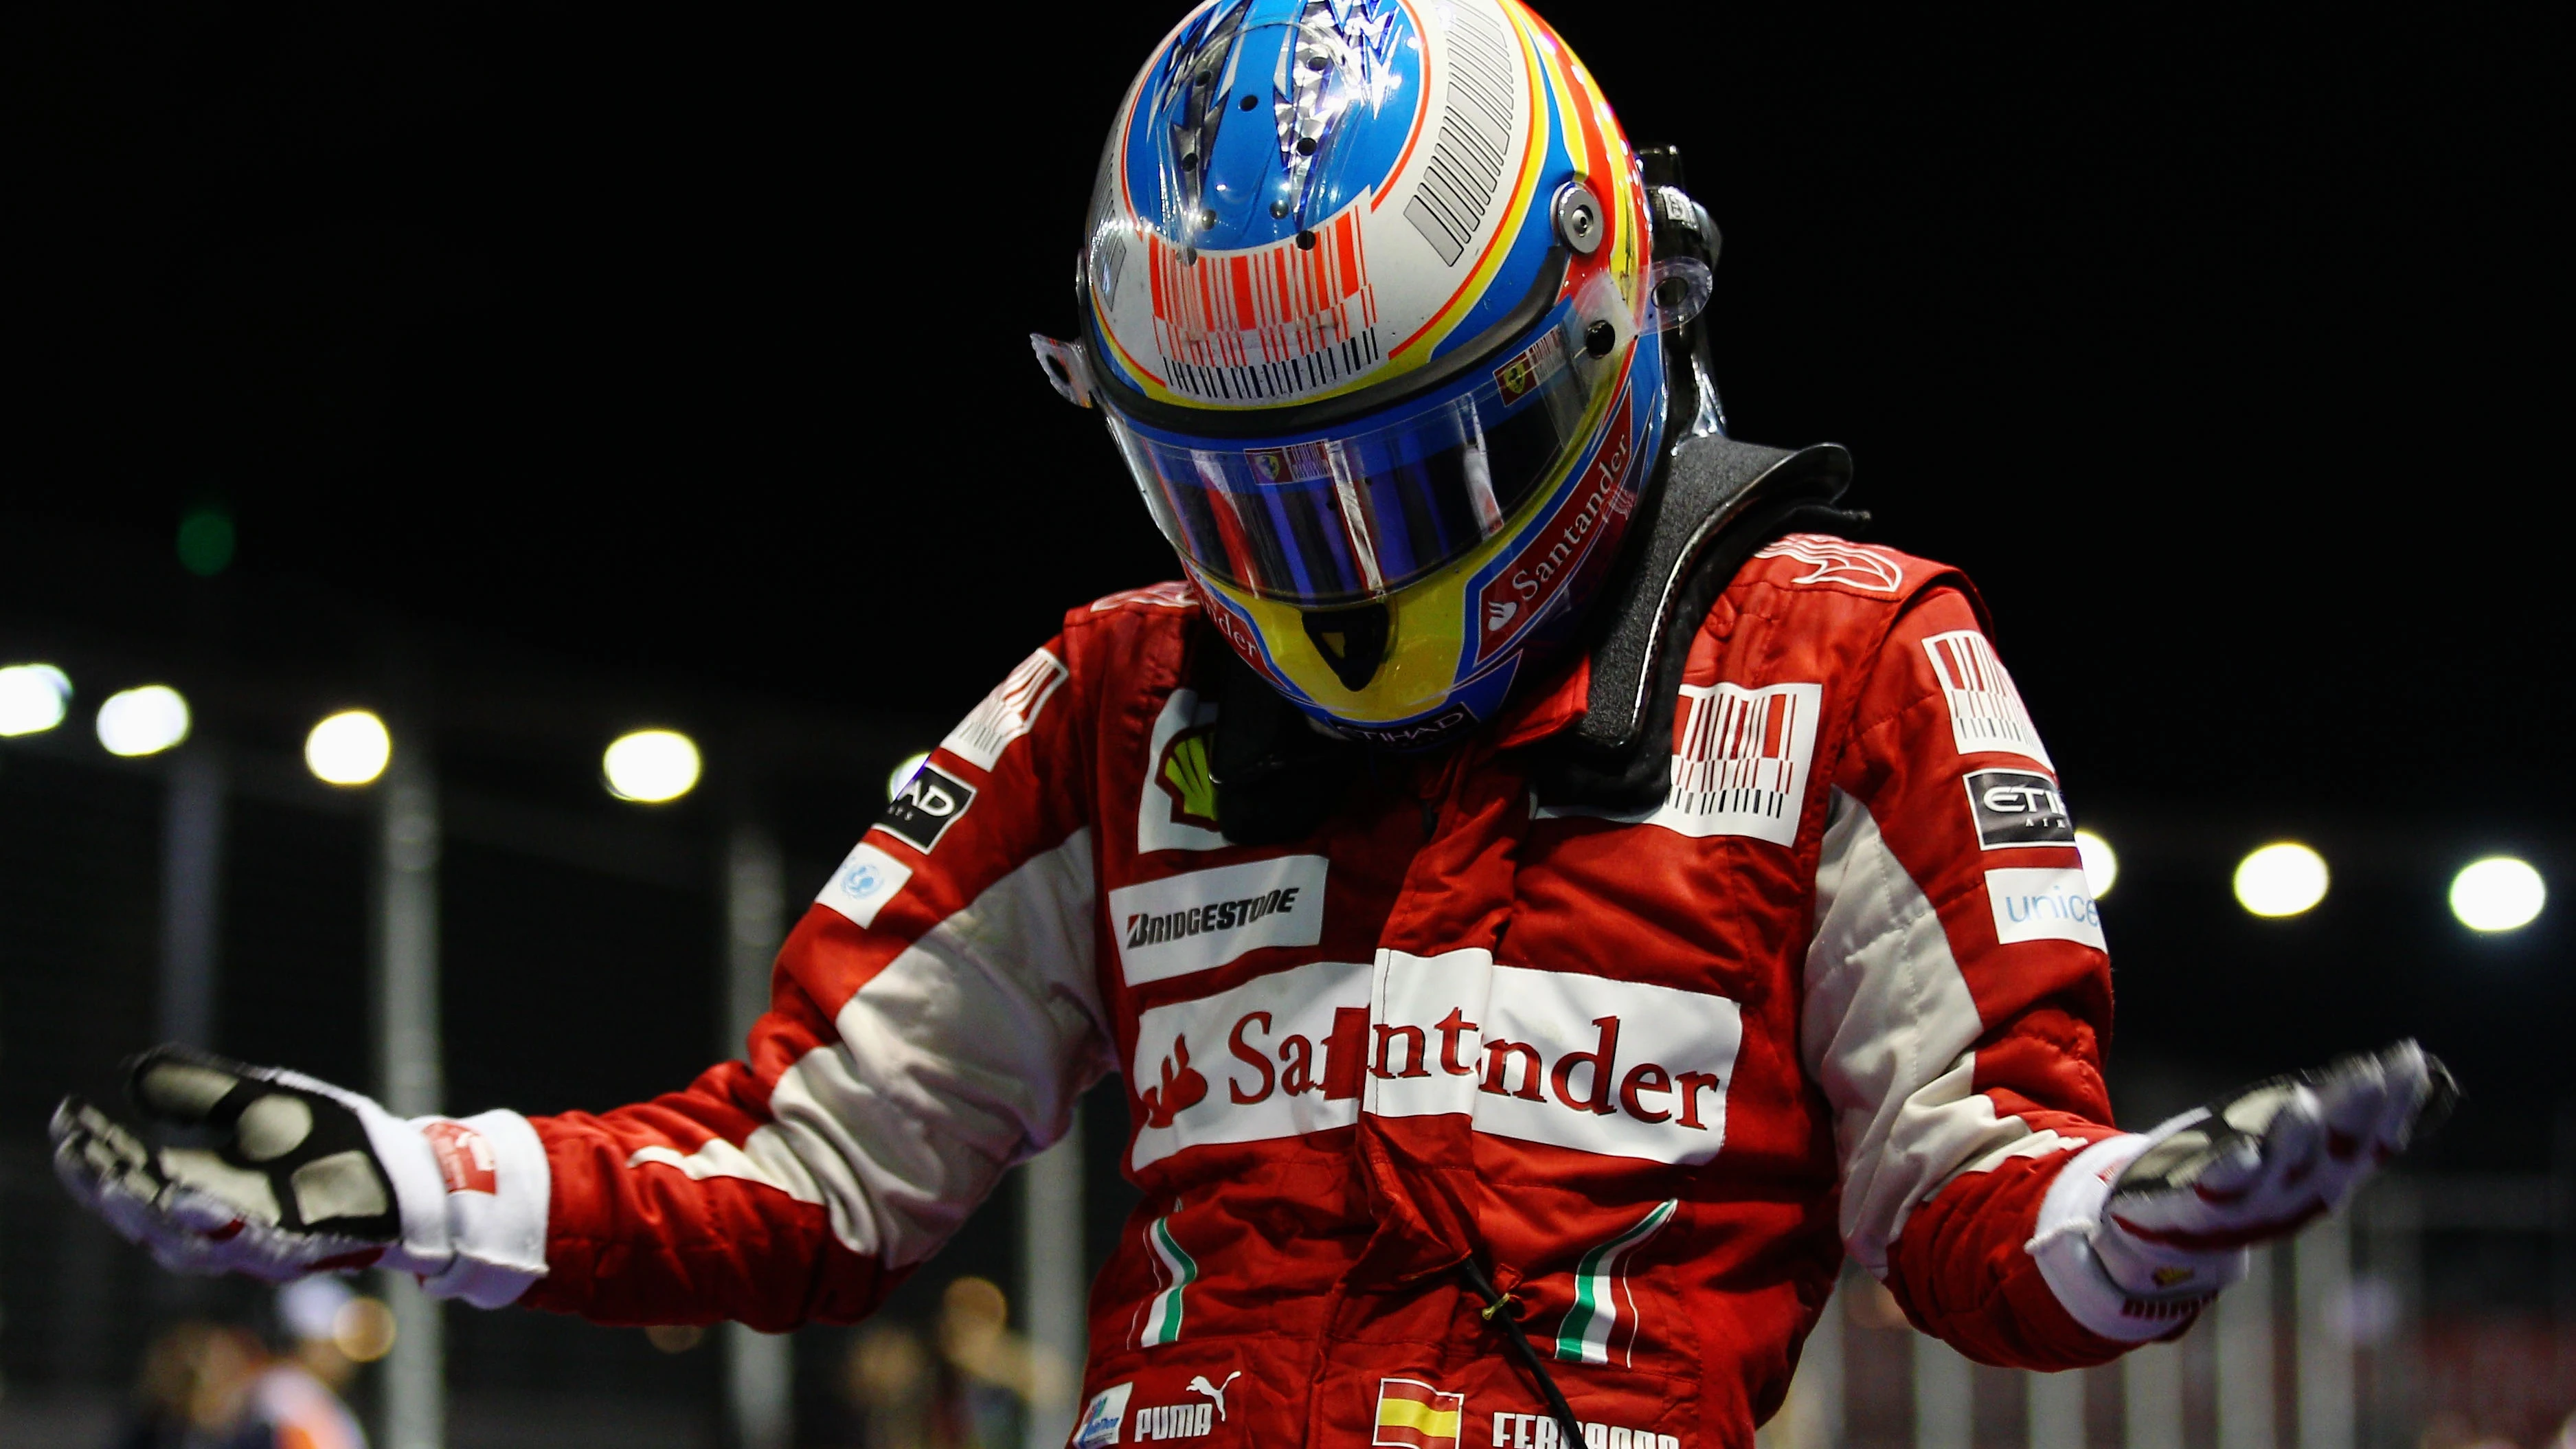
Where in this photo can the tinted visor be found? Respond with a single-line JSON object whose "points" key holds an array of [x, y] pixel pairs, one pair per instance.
{"points": [[1359, 510]]}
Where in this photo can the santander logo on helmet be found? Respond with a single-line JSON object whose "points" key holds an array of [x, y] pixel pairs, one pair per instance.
{"points": [[1365, 295]]}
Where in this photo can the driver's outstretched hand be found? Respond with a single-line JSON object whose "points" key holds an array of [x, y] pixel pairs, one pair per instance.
{"points": [[286, 1175], [2140, 1231]]}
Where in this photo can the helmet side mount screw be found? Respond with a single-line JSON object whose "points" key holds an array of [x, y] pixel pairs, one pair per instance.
{"points": [[1578, 217]]}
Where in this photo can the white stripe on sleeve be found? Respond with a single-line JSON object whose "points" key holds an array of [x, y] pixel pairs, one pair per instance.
{"points": [[965, 1055], [1887, 1032]]}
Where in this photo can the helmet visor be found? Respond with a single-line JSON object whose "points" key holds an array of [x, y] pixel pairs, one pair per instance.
{"points": [[1356, 511]]}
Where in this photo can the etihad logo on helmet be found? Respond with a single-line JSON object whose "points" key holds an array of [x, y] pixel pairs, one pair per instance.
{"points": [[1535, 577], [1571, 1060], [1204, 919], [1410, 735]]}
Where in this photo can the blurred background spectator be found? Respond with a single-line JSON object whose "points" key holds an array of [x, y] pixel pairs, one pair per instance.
{"points": [[219, 1386]]}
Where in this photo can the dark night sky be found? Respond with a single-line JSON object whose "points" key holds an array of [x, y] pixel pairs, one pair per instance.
{"points": [[693, 343]]}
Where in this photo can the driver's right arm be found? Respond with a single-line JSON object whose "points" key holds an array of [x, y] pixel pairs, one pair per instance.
{"points": [[934, 1018]]}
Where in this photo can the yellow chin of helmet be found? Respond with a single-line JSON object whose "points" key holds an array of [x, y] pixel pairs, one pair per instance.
{"points": [[1426, 650]]}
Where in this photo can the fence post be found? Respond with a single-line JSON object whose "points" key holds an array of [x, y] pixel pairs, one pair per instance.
{"points": [[407, 1061], [2056, 1410], [2151, 1396], [1944, 1397], [1051, 1263], [2322, 1262], [2245, 1401], [759, 1367]]}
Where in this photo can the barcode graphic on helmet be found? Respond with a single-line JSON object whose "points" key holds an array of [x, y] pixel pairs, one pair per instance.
{"points": [[1007, 712], [1986, 712], [1740, 761], [1259, 326], [1467, 161]]}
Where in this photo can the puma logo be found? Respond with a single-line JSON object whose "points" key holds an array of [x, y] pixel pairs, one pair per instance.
{"points": [[1200, 1385]]}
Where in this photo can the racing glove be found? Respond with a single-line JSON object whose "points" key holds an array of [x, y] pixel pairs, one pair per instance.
{"points": [[284, 1175], [2139, 1232]]}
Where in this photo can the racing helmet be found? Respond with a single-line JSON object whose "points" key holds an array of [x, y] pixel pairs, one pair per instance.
{"points": [[1367, 299]]}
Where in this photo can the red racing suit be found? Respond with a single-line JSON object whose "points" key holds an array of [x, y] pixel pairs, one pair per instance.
{"points": [[1842, 991]]}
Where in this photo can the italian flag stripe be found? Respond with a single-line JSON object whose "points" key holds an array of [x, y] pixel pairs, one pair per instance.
{"points": [[1584, 1337], [1163, 1315]]}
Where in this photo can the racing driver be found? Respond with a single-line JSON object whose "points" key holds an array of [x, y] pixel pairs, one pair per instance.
{"points": [[1550, 895]]}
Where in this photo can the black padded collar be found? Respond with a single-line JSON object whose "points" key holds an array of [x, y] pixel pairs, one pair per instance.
{"points": [[1721, 500]]}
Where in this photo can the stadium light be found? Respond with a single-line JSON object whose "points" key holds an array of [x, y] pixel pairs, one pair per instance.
{"points": [[33, 698], [349, 748], [142, 721], [902, 774], [2282, 879], [651, 767], [2101, 863], [2498, 893]]}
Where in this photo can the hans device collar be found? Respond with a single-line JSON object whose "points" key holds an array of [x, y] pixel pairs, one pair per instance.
{"points": [[1717, 502]]}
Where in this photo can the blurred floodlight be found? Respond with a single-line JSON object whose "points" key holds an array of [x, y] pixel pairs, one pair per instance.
{"points": [[2499, 893], [902, 775], [2281, 880], [32, 698], [2101, 864], [349, 748], [363, 1329], [142, 721], [651, 766]]}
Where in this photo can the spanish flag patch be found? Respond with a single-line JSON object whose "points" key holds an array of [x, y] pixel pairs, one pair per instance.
{"points": [[1417, 1416]]}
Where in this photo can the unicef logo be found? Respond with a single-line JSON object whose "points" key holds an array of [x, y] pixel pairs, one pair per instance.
{"points": [[863, 881]]}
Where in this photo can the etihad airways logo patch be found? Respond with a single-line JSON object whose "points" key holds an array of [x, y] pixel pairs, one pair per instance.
{"points": [[1207, 918]]}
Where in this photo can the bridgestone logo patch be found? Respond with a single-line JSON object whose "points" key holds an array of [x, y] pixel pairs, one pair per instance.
{"points": [[1206, 918], [1145, 930]]}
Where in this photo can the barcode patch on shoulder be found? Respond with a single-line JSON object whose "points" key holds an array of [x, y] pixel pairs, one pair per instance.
{"points": [[1986, 711], [1740, 762], [1008, 712]]}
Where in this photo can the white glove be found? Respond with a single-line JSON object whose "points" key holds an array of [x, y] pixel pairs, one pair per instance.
{"points": [[2138, 1233], [295, 1176]]}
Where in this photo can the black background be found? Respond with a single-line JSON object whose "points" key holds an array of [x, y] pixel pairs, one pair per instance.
{"points": [[2218, 349]]}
